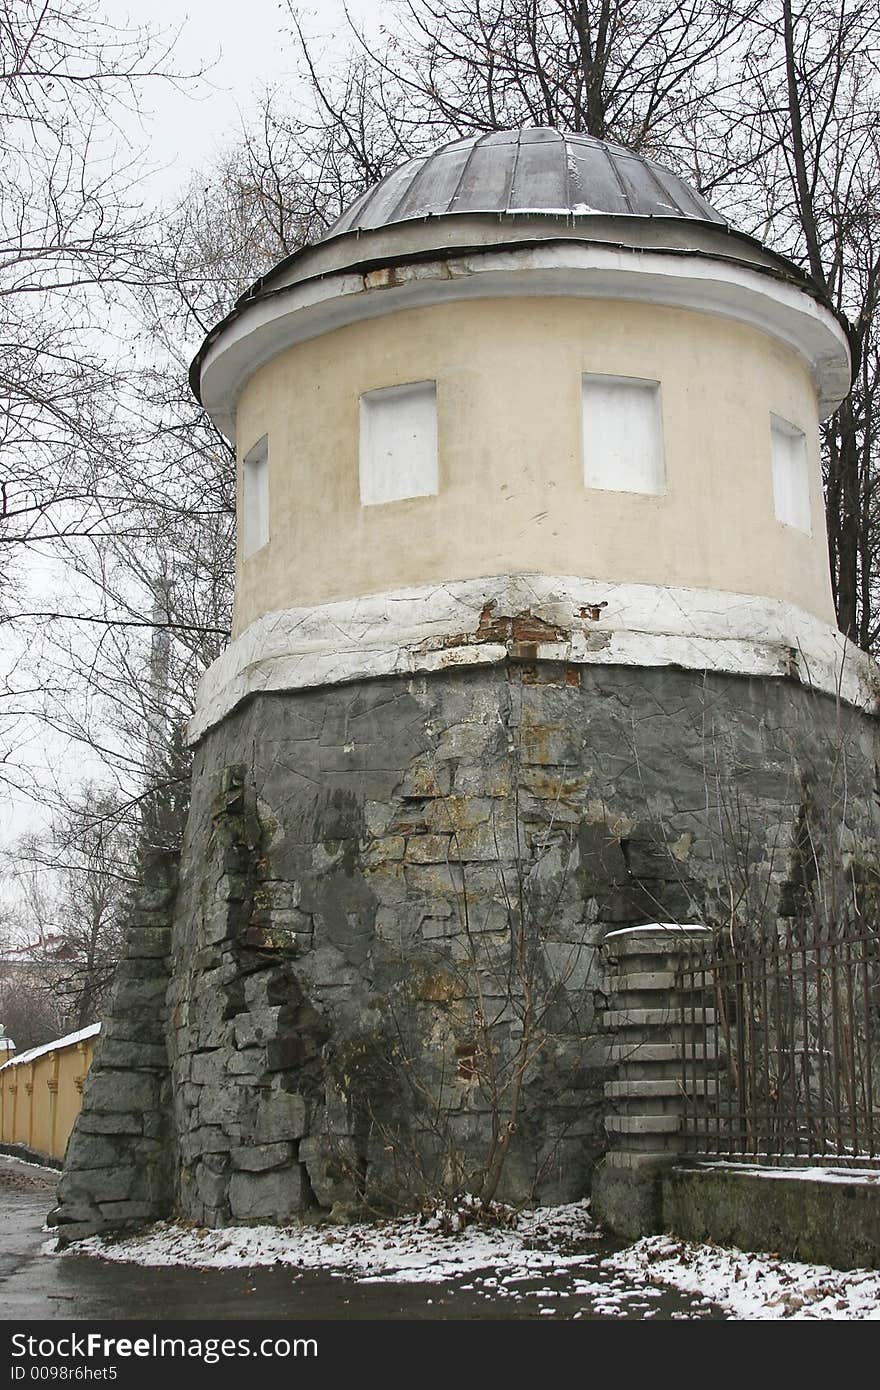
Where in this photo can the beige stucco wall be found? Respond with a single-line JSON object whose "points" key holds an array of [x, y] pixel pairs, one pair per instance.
{"points": [[40, 1100], [512, 496]]}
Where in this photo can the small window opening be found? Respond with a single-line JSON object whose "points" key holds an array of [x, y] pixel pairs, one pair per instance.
{"points": [[791, 476], [623, 434], [398, 443], [255, 498]]}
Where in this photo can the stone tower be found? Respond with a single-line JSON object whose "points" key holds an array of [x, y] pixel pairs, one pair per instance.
{"points": [[533, 639]]}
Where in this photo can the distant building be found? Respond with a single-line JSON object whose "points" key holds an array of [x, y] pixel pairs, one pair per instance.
{"points": [[46, 952], [41, 1092]]}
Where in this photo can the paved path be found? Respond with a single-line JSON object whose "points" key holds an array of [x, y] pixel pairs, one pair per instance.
{"points": [[37, 1286]]}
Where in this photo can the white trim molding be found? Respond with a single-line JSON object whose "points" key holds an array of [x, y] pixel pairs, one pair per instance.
{"points": [[475, 622], [586, 270]]}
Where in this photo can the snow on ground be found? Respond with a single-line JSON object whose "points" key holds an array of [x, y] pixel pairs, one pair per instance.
{"points": [[854, 1176], [550, 1253], [753, 1286], [408, 1250]]}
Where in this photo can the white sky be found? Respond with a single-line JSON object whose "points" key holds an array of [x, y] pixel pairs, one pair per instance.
{"points": [[243, 48]]}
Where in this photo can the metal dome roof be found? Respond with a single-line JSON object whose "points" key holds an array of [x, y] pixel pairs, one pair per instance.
{"points": [[535, 170], [577, 215]]}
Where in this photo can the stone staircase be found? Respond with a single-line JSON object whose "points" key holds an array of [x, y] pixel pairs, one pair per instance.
{"points": [[655, 1027]]}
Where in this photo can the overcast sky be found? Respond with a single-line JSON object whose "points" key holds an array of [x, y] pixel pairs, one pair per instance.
{"points": [[244, 48]]}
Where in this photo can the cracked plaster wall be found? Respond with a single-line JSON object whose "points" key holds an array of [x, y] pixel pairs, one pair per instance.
{"points": [[510, 445]]}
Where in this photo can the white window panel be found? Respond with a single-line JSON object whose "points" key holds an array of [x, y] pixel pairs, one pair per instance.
{"points": [[255, 498], [623, 434], [791, 474], [398, 443]]}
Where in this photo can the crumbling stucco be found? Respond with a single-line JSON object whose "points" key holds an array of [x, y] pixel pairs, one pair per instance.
{"points": [[532, 617]]}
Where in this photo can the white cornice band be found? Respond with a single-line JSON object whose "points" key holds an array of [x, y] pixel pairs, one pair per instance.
{"points": [[581, 270], [533, 617]]}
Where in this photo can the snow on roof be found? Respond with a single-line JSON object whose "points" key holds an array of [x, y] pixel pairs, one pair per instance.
{"points": [[657, 926], [69, 1041]]}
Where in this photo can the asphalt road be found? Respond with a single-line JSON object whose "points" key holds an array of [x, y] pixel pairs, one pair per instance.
{"points": [[35, 1285]]}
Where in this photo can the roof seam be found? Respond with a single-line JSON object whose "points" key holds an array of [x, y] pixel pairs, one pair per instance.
{"points": [[566, 174], [665, 191], [618, 180], [408, 187], [464, 169], [517, 147]]}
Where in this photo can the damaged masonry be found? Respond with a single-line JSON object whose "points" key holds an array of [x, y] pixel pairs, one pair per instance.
{"points": [[534, 640]]}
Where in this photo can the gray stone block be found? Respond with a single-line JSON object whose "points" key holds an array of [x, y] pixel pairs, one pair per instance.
{"points": [[247, 1063], [219, 1106], [258, 1158], [134, 1056], [280, 1115], [91, 1122], [332, 1165], [126, 1213], [576, 966], [109, 1091], [258, 1026], [211, 1186], [147, 942], [276, 1196], [115, 1184]]}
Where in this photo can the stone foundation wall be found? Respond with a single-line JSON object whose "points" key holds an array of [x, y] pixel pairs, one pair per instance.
{"points": [[121, 1156], [385, 978], [351, 968], [832, 1219]]}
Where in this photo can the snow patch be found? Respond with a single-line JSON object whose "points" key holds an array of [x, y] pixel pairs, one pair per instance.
{"points": [[753, 1286], [657, 926], [547, 1254], [407, 1250], [856, 1176]]}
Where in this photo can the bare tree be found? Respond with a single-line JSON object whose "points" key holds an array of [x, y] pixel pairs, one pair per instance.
{"points": [[78, 877], [800, 167], [75, 243], [71, 234], [617, 69]]}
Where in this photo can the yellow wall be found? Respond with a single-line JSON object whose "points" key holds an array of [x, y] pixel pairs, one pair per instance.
{"points": [[512, 496], [40, 1100]]}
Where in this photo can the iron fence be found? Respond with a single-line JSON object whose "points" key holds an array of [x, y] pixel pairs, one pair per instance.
{"points": [[781, 1046]]}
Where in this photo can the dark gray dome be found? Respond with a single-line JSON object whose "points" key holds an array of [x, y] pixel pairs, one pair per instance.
{"points": [[517, 172], [442, 219]]}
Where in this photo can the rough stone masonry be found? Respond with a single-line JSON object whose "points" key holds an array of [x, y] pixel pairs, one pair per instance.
{"points": [[377, 977]]}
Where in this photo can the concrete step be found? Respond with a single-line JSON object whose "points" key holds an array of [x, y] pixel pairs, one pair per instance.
{"points": [[641, 979], [661, 1018], [656, 940], [662, 1052], [656, 1158], [650, 1141], [643, 1124], [665, 1086]]}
